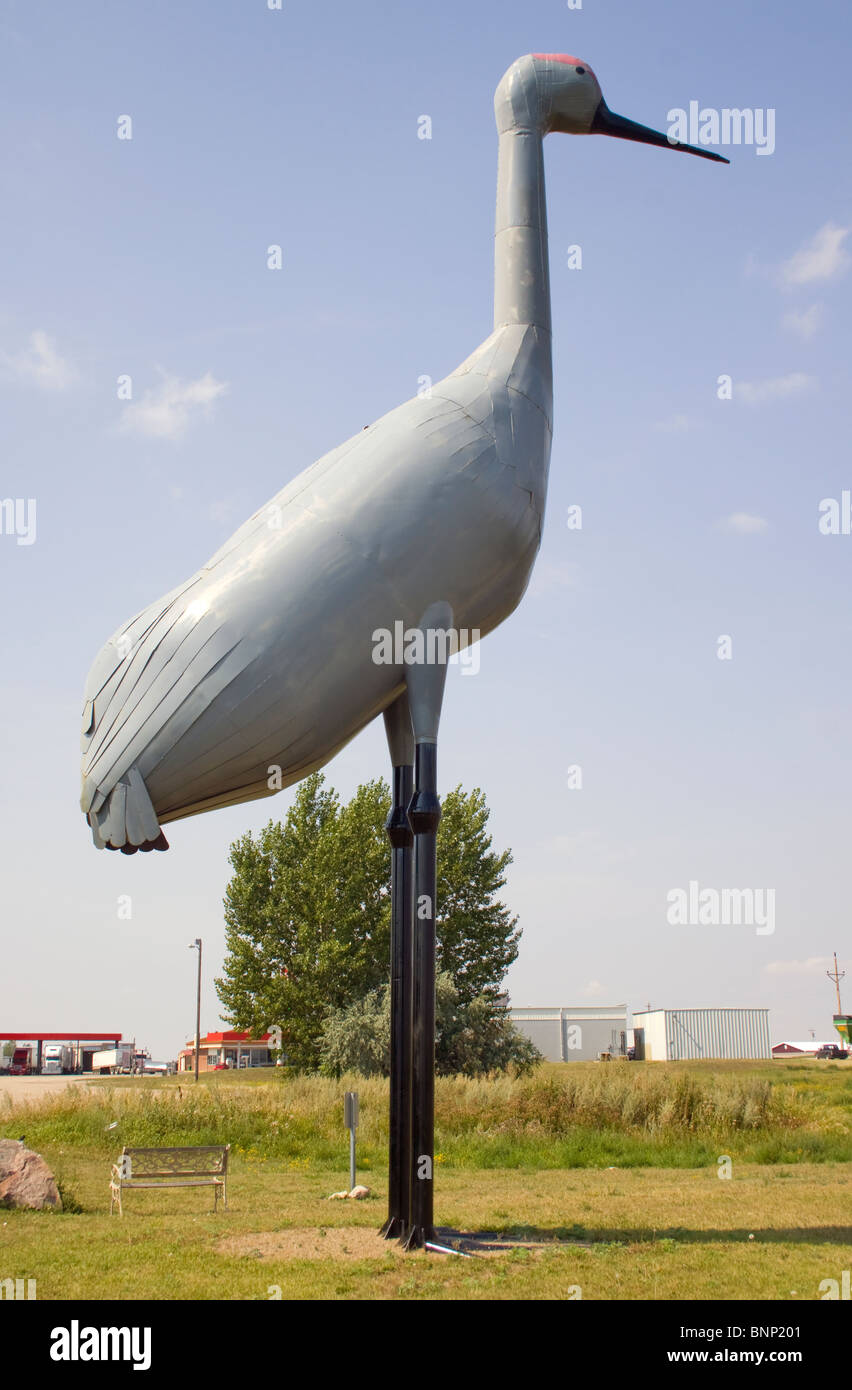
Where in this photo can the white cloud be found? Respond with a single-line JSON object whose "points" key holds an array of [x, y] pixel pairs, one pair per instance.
{"points": [[804, 323], [593, 989], [40, 364], [814, 965], [773, 388], [821, 259], [165, 412], [744, 524]]}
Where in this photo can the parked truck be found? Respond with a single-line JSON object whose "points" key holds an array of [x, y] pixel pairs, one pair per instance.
{"points": [[113, 1061], [22, 1062], [57, 1059]]}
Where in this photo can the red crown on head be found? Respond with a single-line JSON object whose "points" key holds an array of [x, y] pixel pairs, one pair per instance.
{"points": [[564, 58]]}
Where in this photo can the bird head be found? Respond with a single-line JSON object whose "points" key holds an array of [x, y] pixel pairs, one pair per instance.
{"points": [[557, 92]]}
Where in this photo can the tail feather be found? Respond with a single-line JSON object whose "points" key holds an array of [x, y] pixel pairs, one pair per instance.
{"points": [[126, 819]]}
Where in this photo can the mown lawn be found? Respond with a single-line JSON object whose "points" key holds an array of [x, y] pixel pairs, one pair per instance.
{"points": [[651, 1226], [767, 1233]]}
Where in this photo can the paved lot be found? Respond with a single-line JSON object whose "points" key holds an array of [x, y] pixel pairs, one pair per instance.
{"points": [[31, 1087]]}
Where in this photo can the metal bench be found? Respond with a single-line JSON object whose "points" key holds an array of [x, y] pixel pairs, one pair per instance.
{"points": [[205, 1166]]}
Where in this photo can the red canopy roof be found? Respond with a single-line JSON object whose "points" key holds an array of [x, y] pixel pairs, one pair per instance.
{"points": [[74, 1036]]}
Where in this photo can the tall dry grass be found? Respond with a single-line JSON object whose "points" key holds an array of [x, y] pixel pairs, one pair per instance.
{"points": [[574, 1116]]}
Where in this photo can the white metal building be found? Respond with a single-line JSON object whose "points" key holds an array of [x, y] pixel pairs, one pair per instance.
{"points": [[574, 1033], [672, 1035]]}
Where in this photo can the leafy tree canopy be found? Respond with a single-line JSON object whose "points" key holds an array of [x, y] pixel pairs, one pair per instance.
{"points": [[307, 912], [472, 1038]]}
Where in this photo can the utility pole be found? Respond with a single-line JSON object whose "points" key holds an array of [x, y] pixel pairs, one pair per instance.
{"points": [[196, 946], [837, 977]]}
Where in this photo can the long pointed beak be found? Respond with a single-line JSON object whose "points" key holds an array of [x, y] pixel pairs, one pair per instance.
{"points": [[607, 123]]}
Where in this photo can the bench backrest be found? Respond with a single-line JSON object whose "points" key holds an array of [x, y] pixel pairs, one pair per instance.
{"points": [[207, 1161]]}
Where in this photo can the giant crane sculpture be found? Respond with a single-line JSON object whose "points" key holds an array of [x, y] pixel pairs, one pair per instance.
{"points": [[265, 663]]}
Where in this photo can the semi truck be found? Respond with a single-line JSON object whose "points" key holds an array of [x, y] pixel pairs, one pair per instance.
{"points": [[22, 1062], [113, 1061], [57, 1059]]}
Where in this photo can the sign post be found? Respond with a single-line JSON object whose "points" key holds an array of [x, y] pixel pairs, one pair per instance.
{"points": [[350, 1119]]}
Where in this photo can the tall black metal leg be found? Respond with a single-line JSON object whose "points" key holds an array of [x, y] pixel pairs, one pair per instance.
{"points": [[426, 690], [398, 827], [424, 814]]}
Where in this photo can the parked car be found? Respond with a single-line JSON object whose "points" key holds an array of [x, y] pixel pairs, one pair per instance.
{"points": [[832, 1050]]}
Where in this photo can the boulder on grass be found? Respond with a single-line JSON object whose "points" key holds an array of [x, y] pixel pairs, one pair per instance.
{"points": [[25, 1179]]}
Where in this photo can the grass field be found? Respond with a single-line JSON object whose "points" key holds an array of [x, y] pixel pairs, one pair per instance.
{"points": [[599, 1179]]}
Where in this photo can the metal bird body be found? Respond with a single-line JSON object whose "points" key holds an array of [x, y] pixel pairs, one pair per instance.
{"points": [[262, 666], [264, 659]]}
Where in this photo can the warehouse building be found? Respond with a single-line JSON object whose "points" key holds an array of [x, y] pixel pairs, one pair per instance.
{"points": [[674, 1035], [574, 1033]]}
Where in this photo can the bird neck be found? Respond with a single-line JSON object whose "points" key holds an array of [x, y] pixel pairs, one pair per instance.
{"points": [[521, 272]]}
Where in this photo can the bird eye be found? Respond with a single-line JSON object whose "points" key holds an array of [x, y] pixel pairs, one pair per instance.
{"points": [[581, 71]]}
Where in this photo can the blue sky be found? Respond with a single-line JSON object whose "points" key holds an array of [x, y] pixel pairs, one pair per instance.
{"points": [[147, 257]]}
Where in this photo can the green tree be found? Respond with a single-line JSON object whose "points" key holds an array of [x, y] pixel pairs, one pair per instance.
{"points": [[477, 936], [307, 912], [277, 924], [471, 1038], [357, 1037]]}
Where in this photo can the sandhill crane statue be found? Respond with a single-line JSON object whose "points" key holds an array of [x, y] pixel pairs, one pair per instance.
{"points": [[266, 662]]}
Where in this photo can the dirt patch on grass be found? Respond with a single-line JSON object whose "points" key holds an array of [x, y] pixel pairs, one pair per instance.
{"points": [[312, 1243], [362, 1243]]}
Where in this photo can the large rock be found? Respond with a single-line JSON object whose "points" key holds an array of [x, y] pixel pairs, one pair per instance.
{"points": [[25, 1179]]}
